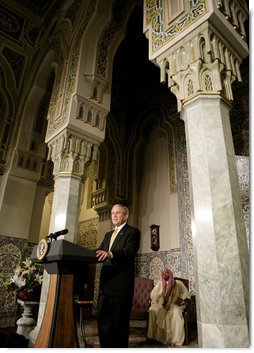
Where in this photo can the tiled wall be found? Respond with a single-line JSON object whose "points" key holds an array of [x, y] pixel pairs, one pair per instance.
{"points": [[12, 252]]}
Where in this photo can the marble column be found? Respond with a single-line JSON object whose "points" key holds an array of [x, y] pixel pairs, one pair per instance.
{"points": [[69, 152], [218, 230], [66, 203]]}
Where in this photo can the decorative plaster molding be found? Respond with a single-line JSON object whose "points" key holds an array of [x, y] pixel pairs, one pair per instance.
{"points": [[59, 109], [55, 121], [198, 44], [202, 63], [119, 9], [28, 165], [90, 113], [70, 152], [166, 23], [87, 233]]}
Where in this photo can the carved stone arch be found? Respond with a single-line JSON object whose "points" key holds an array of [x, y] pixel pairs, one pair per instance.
{"points": [[215, 54], [112, 37], [90, 37], [202, 48], [164, 67], [34, 122], [81, 111], [7, 124], [58, 63], [109, 168], [99, 47], [90, 115], [7, 71], [39, 93], [160, 114], [222, 49]]}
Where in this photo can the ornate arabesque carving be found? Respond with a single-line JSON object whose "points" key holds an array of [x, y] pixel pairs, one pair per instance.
{"points": [[165, 27], [197, 56], [118, 10], [53, 122], [87, 233], [166, 20], [60, 104], [70, 152], [7, 123], [202, 62]]}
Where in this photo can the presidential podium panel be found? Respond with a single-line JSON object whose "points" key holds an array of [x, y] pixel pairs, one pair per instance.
{"points": [[62, 260]]}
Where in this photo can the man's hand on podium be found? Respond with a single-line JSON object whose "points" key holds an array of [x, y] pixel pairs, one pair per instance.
{"points": [[103, 255]]}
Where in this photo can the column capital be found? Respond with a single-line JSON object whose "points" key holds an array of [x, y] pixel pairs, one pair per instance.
{"points": [[202, 62], [71, 151], [198, 45]]}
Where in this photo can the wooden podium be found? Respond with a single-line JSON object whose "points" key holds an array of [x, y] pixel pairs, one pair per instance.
{"points": [[62, 261]]}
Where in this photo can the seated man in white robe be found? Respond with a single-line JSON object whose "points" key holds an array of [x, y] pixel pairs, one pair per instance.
{"points": [[166, 322]]}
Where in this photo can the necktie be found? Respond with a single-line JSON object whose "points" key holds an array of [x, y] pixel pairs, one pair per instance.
{"points": [[113, 236]]}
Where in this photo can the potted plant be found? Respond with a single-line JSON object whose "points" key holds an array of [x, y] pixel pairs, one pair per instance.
{"points": [[26, 280]]}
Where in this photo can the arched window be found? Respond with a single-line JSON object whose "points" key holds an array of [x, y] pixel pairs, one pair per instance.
{"points": [[98, 120], [81, 113], [90, 116]]}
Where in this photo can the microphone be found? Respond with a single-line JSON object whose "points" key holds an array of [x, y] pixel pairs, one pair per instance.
{"points": [[54, 236]]}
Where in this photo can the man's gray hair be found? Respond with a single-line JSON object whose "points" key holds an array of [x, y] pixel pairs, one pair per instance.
{"points": [[126, 210]]}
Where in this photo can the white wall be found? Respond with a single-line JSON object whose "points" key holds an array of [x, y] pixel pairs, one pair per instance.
{"points": [[16, 212], [156, 204]]}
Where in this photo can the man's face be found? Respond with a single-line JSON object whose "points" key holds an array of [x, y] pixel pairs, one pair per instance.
{"points": [[118, 216], [166, 275]]}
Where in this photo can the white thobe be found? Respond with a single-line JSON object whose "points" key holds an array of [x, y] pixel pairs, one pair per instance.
{"points": [[166, 323]]}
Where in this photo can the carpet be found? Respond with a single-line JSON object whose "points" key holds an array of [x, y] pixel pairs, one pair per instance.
{"points": [[137, 337]]}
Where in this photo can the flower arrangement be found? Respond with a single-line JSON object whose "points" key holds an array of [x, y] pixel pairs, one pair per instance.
{"points": [[27, 277]]}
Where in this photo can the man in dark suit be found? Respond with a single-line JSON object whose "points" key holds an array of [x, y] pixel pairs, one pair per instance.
{"points": [[117, 252]]}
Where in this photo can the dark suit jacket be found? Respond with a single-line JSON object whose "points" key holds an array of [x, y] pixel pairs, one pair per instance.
{"points": [[118, 274]]}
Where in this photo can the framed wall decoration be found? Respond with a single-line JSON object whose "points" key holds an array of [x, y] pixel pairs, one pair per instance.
{"points": [[155, 237]]}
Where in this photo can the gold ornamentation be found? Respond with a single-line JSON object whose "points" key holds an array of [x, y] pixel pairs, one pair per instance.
{"points": [[42, 249]]}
